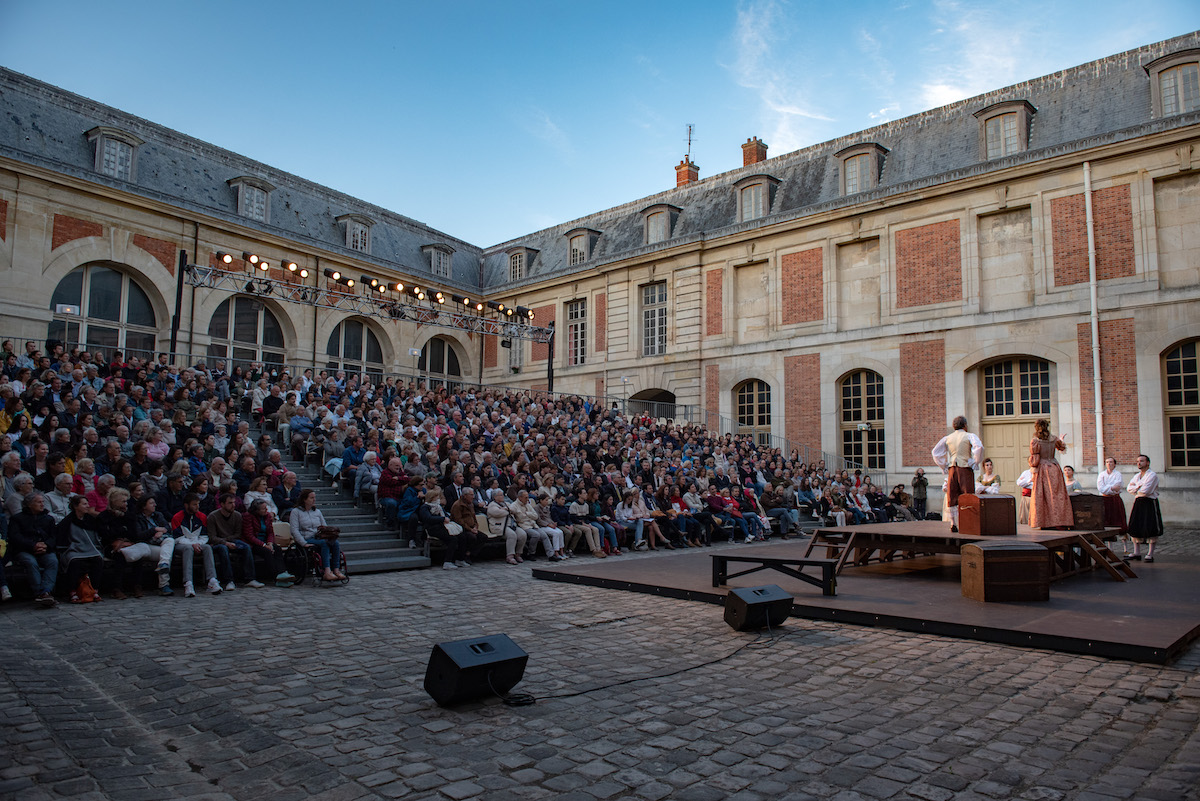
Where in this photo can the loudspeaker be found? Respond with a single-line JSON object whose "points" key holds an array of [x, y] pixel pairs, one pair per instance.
{"points": [[749, 608], [464, 670]]}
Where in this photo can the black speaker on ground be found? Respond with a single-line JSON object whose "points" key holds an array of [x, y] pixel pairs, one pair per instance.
{"points": [[464, 670], [748, 608]]}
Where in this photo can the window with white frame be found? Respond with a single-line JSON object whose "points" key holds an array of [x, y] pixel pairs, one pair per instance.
{"points": [[102, 306], [358, 231], [254, 197], [755, 196], [1175, 83], [516, 266], [752, 202], [654, 319], [440, 263], [1004, 128], [656, 227], [115, 152], [856, 172], [579, 249], [861, 166], [577, 332]]}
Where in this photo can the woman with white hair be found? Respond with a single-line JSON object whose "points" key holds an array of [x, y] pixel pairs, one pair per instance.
{"points": [[366, 478]]}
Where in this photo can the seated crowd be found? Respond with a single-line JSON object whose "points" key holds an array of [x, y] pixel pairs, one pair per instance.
{"points": [[119, 465]]}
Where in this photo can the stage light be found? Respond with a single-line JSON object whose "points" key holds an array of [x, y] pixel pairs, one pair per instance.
{"points": [[399, 287], [439, 297], [304, 273], [374, 282], [350, 282], [224, 258], [290, 266], [460, 299], [249, 288], [334, 274], [249, 257], [381, 289], [525, 312], [264, 266], [509, 311], [479, 307], [494, 306]]}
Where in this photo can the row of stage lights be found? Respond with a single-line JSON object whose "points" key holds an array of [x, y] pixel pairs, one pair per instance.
{"points": [[382, 287]]}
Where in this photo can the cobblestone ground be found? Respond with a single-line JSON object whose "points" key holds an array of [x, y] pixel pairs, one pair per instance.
{"points": [[280, 694]]}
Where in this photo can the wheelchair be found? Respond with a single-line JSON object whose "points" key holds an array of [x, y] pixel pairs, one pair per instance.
{"points": [[304, 562]]}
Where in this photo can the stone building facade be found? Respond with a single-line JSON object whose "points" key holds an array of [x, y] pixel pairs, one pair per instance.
{"points": [[846, 299]]}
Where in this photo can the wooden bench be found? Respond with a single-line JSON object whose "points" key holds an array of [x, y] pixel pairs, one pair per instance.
{"points": [[793, 567]]}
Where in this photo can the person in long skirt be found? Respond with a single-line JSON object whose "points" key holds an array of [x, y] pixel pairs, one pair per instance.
{"points": [[1050, 505], [1110, 484], [1145, 519]]}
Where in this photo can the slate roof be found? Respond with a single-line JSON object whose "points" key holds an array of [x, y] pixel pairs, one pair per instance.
{"points": [[1103, 101], [1100, 102]]}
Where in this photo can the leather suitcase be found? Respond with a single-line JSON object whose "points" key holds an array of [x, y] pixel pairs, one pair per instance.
{"points": [[987, 515], [1005, 571], [1088, 511]]}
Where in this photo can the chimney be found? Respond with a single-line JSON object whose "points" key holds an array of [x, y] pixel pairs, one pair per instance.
{"points": [[754, 151], [686, 172]]}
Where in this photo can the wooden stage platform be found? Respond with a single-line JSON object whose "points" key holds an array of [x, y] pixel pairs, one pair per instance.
{"points": [[1151, 618]]}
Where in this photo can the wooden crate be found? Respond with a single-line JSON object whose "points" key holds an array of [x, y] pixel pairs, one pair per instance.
{"points": [[1088, 511], [987, 515], [1005, 571]]}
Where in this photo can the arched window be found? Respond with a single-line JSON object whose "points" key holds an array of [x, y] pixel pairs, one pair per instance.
{"points": [[1182, 393], [862, 420], [353, 347], [752, 400], [101, 306], [439, 361], [244, 331]]}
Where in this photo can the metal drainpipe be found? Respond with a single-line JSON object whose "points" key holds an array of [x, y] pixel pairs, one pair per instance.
{"points": [[1093, 291], [316, 284]]}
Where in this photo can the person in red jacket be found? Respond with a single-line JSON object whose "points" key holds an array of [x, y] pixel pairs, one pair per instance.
{"points": [[258, 529], [392, 483]]}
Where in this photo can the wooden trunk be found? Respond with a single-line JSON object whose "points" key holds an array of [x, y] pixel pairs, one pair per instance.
{"points": [[987, 515], [1004, 571], [1088, 511]]}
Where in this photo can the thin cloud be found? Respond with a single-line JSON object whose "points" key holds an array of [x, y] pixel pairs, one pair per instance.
{"points": [[982, 48], [762, 67], [540, 125]]}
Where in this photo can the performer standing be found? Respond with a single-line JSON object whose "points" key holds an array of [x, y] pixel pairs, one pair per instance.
{"points": [[1050, 506], [957, 454], [1025, 482], [1145, 518], [1110, 483]]}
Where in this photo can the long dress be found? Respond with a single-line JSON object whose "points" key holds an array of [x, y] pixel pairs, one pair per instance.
{"points": [[1050, 505]]}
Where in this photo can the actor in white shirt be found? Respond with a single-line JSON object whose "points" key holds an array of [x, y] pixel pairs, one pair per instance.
{"points": [[1145, 519]]}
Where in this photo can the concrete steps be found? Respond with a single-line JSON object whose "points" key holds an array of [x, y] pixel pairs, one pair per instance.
{"points": [[369, 547]]}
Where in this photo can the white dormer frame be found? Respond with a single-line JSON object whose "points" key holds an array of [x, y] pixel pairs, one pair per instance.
{"points": [[868, 158], [358, 231], [116, 143], [665, 224], [441, 259], [767, 184], [586, 239], [520, 261], [1023, 112], [247, 188], [1155, 69]]}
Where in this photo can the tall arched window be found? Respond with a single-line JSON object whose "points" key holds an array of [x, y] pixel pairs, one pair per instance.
{"points": [[752, 400], [243, 331], [101, 306], [439, 361], [862, 420], [353, 347], [1182, 413]]}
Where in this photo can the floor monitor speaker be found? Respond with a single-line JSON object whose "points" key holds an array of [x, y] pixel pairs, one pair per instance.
{"points": [[464, 670], [748, 608]]}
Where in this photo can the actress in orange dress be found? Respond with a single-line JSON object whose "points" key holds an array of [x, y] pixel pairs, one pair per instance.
{"points": [[1050, 505]]}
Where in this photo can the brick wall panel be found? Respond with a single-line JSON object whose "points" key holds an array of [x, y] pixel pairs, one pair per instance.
{"points": [[802, 277], [166, 253], [601, 322], [1118, 365], [802, 400], [923, 417], [543, 316], [490, 344], [1112, 215], [712, 388], [714, 300], [928, 265], [3, 220], [68, 229]]}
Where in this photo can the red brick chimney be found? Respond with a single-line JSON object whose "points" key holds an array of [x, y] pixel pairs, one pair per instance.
{"points": [[686, 172], [754, 151]]}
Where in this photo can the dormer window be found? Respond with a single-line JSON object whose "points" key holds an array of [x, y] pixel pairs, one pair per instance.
{"points": [[755, 196], [1004, 128], [520, 259], [254, 197], [358, 231], [660, 222], [440, 259], [861, 166], [1175, 83], [580, 242], [116, 152]]}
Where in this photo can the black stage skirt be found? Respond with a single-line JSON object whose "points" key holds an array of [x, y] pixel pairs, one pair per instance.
{"points": [[1145, 519], [1114, 512]]}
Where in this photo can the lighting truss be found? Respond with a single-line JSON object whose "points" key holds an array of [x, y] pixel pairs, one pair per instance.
{"points": [[391, 309]]}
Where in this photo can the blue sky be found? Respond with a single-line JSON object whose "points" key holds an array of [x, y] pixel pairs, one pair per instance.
{"points": [[489, 120]]}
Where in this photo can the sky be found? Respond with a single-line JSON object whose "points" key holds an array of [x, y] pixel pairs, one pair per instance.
{"points": [[491, 120]]}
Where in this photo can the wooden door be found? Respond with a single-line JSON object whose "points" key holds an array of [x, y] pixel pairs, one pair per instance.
{"points": [[1007, 445]]}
